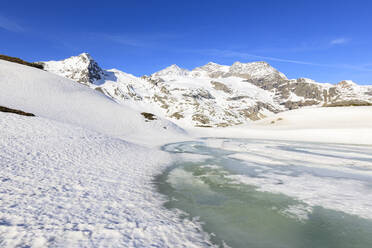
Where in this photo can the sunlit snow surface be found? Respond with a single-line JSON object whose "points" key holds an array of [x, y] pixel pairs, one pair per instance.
{"points": [[67, 186], [263, 193]]}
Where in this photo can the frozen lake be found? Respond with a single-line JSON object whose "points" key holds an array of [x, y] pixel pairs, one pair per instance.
{"points": [[265, 193]]}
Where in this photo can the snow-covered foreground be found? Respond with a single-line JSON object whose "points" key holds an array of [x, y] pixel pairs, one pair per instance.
{"points": [[66, 186], [70, 178]]}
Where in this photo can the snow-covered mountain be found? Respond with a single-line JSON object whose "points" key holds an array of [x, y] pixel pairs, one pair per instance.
{"points": [[172, 71], [82, 69], [213, 94], [53, 97]]}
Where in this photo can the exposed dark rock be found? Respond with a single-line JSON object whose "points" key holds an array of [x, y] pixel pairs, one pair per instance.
{"points": [[221, 86], [14, 111], [295, 105], [236, 98], [149, 116], [20, 61], [201, 118], [93, 72], [203, 125], [199, 94], [162, 100], [306, 90], [347, 103], [132, 93], [369, 93], [253, 113], [177, 115]]}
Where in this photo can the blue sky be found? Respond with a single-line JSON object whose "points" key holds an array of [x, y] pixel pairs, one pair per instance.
{"points": [[328, 41]]}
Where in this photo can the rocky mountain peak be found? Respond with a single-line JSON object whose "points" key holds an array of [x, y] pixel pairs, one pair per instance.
{"points": [[172, 70], [255, 70], [85, 56], [212, 67], [82, 68], [306, 80], [346, 84]]}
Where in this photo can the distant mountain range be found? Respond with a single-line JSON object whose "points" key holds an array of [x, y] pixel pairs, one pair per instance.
{"points": [[213, 94]]}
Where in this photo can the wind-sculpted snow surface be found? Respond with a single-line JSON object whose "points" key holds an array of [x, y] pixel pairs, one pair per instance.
{"points": [[66, 186]]}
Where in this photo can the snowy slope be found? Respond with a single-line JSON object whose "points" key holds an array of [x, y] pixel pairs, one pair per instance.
{"points": [[48, 95], [331, 117], [67, 186], [349, 125], [213, 94]]}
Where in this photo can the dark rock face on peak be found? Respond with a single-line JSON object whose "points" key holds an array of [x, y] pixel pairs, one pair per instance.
{"points": [[93, 72]]}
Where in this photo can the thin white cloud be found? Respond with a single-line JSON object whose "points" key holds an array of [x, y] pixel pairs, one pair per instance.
{"points": [[125, 40], [243, 55], [339, 41], [137, 40], [314, 45], [9, 25]]}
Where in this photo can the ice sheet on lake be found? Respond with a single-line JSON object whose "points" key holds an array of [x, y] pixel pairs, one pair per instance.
{"points": [[338, 178]]}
